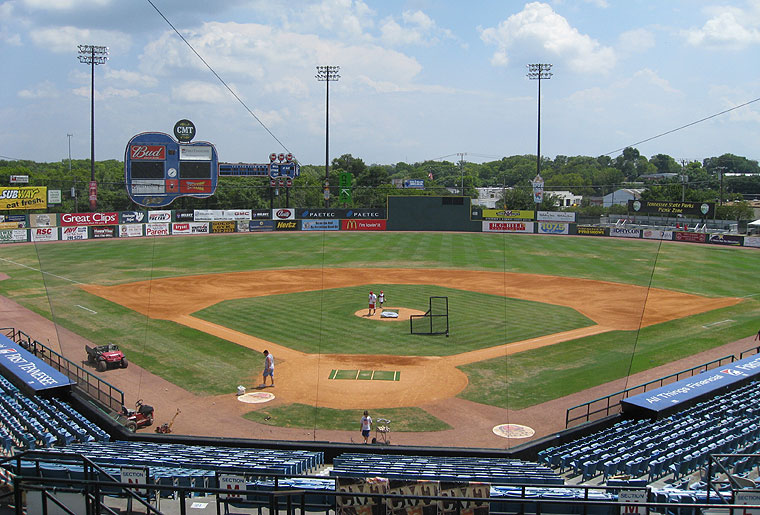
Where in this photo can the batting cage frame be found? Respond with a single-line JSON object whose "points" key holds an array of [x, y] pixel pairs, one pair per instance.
{"points": [[434, 321]]}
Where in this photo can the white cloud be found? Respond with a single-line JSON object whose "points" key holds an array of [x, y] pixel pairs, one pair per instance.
{"points": [[130, 77], [729, 27], [538, 26], [652, 78], [418, 29], [106, 93], [64, 40], [63, 5], [636, 41], [273, 60], [346, 19], [44, 89], [201, 92]]}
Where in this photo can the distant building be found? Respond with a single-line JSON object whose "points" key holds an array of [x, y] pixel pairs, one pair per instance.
{"points": [[487, 197], [565, 198], [621, 197]]}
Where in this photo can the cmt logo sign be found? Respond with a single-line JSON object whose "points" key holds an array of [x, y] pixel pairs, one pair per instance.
{"points": [[362, 225]]}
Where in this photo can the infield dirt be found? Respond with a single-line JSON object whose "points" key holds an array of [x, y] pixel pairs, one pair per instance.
{"points": [[431, 383]]}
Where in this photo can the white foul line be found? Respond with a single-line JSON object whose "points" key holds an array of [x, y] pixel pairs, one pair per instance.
{"points": [[727, 321], [86, 309], [41, 271]]}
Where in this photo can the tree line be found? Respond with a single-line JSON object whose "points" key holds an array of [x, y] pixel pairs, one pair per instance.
{"points": [[661, 176]]}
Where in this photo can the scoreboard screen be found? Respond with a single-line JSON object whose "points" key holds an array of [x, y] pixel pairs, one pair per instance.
{"points": [[147, 169], [194, 170]]}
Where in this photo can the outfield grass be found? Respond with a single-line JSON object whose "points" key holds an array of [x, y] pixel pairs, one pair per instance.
{"points": [[309, 417], [204, 364], [476, 320]]}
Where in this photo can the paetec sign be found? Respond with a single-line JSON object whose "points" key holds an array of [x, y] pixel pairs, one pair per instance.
{"points": [[21, 364], [28, 197], [668, 208], [691, 388]]}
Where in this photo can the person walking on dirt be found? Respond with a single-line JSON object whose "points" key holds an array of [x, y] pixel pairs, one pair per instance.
{"points": [[366, 425], [372, 302], [268, 368]]}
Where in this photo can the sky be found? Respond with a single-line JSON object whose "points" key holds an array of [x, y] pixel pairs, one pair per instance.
{"points": [[419, 79]]}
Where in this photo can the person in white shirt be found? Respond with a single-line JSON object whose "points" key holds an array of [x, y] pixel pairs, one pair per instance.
{"points": [[268, 368], [381, 300], [372, 302], [366, 425]]}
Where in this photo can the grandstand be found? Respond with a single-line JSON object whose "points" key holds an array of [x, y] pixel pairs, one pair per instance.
{"points": [[697, 450]]}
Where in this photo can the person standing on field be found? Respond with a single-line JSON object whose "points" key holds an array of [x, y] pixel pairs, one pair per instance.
{"points": [[372, 302], [366, 425], [381, 300], [268, 368]]}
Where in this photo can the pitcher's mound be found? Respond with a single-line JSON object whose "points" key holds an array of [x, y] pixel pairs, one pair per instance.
{"points": [[403, 314]]}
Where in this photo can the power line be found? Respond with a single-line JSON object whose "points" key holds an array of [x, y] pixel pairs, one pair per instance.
{"points": [[682, 127], [217, 76]]}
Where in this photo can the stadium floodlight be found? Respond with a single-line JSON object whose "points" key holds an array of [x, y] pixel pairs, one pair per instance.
{"points": [[327, 74], [537, 72], [92, 55]]}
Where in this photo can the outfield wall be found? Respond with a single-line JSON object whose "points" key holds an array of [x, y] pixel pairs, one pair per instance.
{"points": [[404, 213]]}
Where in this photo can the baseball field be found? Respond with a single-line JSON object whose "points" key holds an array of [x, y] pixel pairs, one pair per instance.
{"points": [[536, 323]]}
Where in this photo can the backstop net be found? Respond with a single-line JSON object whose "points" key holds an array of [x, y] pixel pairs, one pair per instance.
{"points": [[434, 321]]}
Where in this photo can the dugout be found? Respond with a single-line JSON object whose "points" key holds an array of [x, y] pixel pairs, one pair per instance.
{"points": [[418, 213], [29, 373]]}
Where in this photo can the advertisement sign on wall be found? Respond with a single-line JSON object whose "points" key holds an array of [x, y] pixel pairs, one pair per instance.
{"points": [[283, 214], [68, 219], [222, 227], [725, 239], [556, 216], [752, 241], [13, 236], [132, 217], [691, 237], [657, 234], [260, 225], [508, 214], [553, 228], [589, 230], [508, 226], [44, 234], [130, 230], [159, 216], [191, 227], [74, 233], [362, 225], [622, 232], [321, 225], [286, 225], [220, 215], [157, 229], [106, 231], [42, 220], [25, 197]]}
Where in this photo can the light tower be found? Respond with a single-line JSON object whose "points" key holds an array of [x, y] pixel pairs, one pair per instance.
{"points": [[537, 72], [327, 74], [92, 55]]}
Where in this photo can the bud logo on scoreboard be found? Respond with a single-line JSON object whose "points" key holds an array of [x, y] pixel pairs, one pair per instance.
{"points": [[148, 152]]}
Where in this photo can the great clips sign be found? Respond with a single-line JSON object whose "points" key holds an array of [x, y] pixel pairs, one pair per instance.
{"points": [[76, 219]]}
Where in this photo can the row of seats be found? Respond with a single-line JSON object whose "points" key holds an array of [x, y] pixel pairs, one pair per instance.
{"points": [[246, 460], [645, 447], [490, 470]]}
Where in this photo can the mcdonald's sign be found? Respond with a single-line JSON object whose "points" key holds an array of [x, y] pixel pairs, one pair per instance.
{"points": [[362, 225]]}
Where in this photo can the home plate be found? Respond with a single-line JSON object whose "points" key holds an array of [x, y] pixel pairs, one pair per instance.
{"points": [[513, 431], [256, 397]]}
